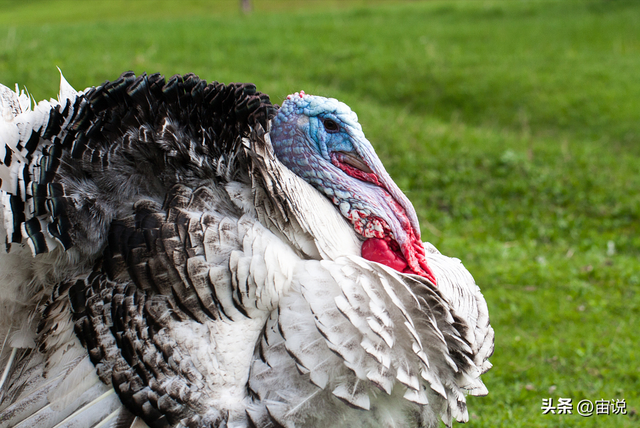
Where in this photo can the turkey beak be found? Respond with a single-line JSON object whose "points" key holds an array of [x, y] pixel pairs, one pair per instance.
{"points": [[373, 163], [353, 159]]}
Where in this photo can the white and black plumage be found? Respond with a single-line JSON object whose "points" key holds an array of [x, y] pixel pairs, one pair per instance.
{"points": [[189, 255]]}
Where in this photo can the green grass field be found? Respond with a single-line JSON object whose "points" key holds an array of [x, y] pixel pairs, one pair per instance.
{"points": [[513, 126]]}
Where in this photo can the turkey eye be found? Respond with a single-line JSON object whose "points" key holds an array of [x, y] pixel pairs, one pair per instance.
{"points": [[330, 125]]}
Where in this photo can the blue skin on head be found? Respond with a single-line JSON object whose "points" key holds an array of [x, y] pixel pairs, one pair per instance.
{"points": [[317, 109], [302, 142], [321, 141]]}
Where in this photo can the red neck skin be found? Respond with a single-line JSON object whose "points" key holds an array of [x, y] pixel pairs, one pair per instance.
{"points": [[381, 247]]}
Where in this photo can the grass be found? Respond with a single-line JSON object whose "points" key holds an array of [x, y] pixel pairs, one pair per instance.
{"points": [[513, 126]]}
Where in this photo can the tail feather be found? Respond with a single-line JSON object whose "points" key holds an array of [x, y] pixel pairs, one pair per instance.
{"points": [[29, 157], [66, 90], [13, 102]]}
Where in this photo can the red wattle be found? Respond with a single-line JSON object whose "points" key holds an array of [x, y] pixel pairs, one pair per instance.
{"points": [[378, 250], [409, 259]]}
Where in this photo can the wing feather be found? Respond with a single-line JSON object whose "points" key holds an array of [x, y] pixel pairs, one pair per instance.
{"points": [[389, 332]]}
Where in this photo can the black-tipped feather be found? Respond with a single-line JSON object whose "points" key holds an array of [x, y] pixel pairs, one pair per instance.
{"points": [[108, 123]]}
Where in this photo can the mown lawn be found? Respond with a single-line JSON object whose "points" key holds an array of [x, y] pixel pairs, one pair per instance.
{"points": [[513, 126]]}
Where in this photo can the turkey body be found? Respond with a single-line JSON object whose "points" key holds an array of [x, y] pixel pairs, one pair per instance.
{"points": [[184, 254]]}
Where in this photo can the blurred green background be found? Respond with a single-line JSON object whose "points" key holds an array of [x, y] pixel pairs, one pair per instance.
{"points": [[512, 125]]}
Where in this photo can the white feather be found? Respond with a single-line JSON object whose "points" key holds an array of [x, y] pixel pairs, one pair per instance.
{"points": [[66, 90]]}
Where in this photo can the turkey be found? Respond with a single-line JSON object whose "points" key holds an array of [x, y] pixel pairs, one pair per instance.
{"points": [[184, 254]]}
